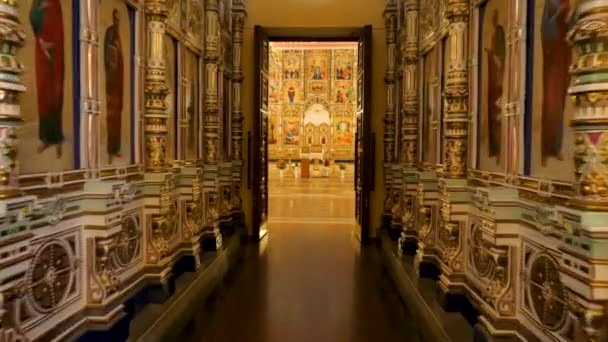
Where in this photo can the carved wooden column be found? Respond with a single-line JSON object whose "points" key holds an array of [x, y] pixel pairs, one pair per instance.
{"points": [[239, 15], [410, 86], [155, 118], [409, 123], [452, 185], [589, 89], [12, 38], [456, 121], [211, 120], [390, 19], [238, 20]]}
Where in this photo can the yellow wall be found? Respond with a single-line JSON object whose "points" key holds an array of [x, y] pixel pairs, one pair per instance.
{"points": [[315, 14]]}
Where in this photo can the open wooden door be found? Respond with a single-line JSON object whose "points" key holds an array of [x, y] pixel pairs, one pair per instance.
{"points": [[259, 145], [364, 139]]}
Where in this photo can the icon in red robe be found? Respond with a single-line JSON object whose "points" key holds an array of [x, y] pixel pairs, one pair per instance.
{"points": [[47, 23], [114, 68]]}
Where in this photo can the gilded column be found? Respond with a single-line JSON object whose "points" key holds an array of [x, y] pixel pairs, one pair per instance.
{"points": [[410, 86], [452, 184], [12, 37], [589, 90], [456, 121], [238, 20], [409, 122], [211, 122], [155, 118], [390, 19]]}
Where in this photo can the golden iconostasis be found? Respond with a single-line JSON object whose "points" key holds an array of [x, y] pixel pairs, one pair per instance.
{"points": [[312, 98]]}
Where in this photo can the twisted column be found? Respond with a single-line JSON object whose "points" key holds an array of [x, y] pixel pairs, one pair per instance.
{"points": [[211, 122], [12, 37], [455, 118], [238, 20], [155, 117], [410, 86], [590, 92]]}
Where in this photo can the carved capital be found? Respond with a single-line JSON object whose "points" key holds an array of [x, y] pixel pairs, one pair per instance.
{"points": [[156, 10], [457, 10]]}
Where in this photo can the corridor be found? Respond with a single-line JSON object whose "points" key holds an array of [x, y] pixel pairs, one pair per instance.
{"points": [[309, 280]]}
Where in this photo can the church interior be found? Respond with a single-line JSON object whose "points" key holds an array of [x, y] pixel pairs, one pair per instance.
{"points": [[133, 170]]}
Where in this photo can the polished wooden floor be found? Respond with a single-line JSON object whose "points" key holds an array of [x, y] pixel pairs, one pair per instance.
{"points": [[309, 280]]}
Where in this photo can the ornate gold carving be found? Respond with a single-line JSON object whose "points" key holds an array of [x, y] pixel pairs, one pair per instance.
{"points": [[155, 89], [156, 10], [424, 217], [429, 16], [449, 232], [12, 38], [164, 228], [492, 266], [105, 273], [194, 210], [457, 10], [238, 21], [455, 154], [212, 209], [588, 35], [195, 18], [112, 254], [591, 161]]}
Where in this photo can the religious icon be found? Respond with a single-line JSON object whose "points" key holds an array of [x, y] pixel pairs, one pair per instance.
{"points": [[343, 135], [291, 92], [272, 130], [557, 55], [190, 113], [170, 78], [317, 69], [292, 131], [292, 65], [495, 55], [191, 106], [344, 71], [340, 96], [429, 107], [47, 24], [114, 71]]}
